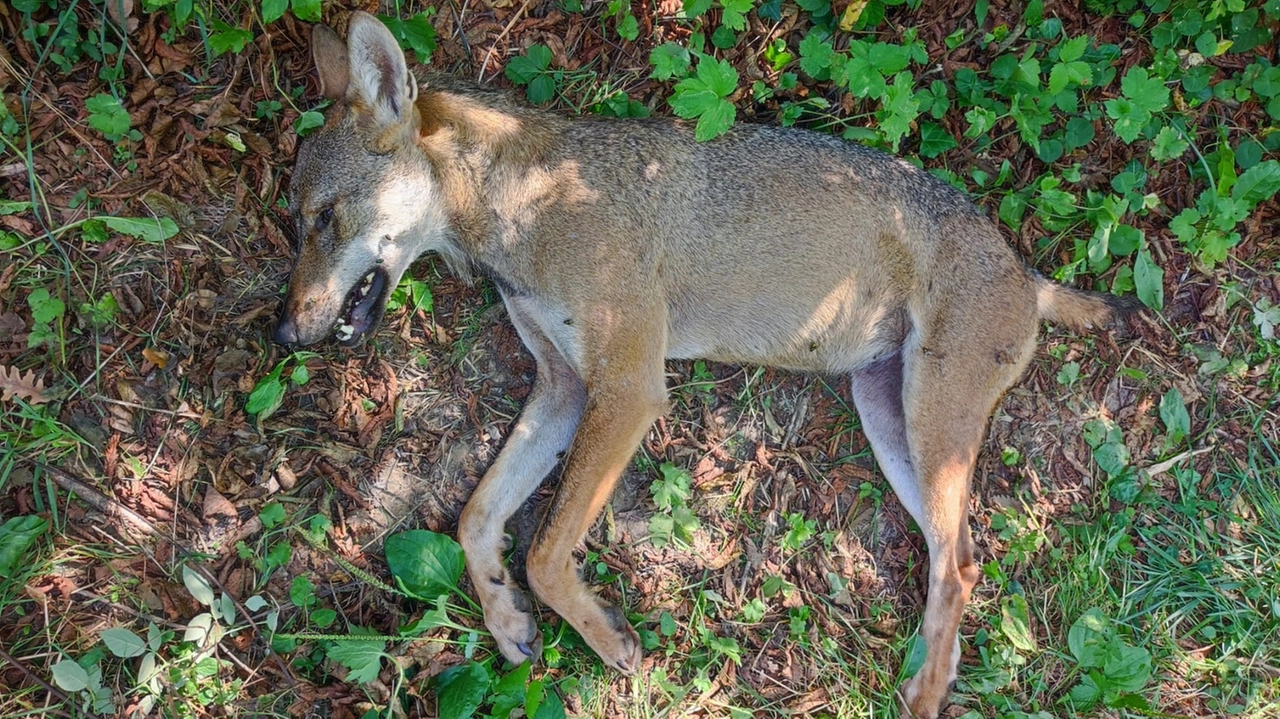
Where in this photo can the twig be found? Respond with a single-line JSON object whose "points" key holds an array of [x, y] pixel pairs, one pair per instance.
{"points": [[514, 19], [53, 691]]}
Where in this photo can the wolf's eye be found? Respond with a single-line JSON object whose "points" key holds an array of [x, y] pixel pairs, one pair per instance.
{"points": [[324, 218]]}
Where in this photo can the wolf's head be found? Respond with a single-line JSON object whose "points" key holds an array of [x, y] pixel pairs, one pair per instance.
{"points": [[364, 199]]}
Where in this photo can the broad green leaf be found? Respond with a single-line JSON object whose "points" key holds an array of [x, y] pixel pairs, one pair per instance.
{"points": [[1073, 49], [306, 10], [1015, 622], [123, 643], [1148, 280], [267, 394], [1088, 638], [271, 515], [70, 676], [1173, 412], [273, 10], [147, 229], [199, 587], [629, 28], [1085, 694], [695, 8], [1127, 668], [16, 537], [1258, 184], [426, 564], [307, 122], [361, 657], [815, 55], [225, 38], [462, 689]]}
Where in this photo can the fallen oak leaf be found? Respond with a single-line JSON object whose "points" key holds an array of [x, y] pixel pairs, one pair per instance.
{"points": [[13, 383]]}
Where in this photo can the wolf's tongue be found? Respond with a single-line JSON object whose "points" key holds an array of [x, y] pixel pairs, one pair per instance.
{"points": [[360, 314]]}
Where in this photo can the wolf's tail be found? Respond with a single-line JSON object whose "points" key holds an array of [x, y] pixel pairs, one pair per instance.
{"points": [[1078, 309]]}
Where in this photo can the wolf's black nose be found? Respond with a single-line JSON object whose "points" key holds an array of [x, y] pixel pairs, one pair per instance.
{"points": [[286, 332]]}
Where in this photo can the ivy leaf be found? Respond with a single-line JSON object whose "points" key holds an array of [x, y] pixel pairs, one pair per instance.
{"points": [[934, 140]]}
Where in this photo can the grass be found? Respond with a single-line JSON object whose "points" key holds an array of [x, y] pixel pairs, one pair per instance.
{"points": [[789, 581]]}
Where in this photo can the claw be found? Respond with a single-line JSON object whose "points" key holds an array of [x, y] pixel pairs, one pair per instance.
{"points": [[525, 649]]}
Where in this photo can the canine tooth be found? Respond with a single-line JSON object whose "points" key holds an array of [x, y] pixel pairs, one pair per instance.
{"points": [[368, 279], [345, 332]]}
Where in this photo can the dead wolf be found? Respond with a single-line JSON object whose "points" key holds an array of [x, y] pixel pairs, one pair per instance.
{"points": [[618, 244]]}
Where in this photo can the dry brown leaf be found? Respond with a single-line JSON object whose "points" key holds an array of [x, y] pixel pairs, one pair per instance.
{"points": [[13, 383]]}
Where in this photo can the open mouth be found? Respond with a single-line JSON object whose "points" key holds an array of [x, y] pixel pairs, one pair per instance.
{"points": [[362, 310]]}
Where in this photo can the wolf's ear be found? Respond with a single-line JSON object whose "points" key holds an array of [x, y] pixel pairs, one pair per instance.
{"points": [[329, 53], [379, 76]]}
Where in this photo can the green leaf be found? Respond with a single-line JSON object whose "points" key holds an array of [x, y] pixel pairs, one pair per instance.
{"points": [[669, 60], [1148, 279], [1073, 49], [307, 122], [147, 229], [1085, 694], [302, 592], [197, 585], [816, 55], [1258, 184], [273, 10], [272, 515], [225, 38], [1127, 668], [1168, 145], [695, 8], [935, 140], [70, 676], [523, 68], [108, 116], [426, 564], [361, 657], [541, 89], [123, 643], [16, 537], [307, 10], [1148, 93], [415, 33], [462, 689], [899, 110], [735, 12], [1015, 622], [267, 394], [1088, 638], [629, 28], [703, 96], [1173, 412], [45, 307]]}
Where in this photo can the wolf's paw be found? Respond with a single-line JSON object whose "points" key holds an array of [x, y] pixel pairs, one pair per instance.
{"points": [[919, 701], [615, 640], [514, 630]]}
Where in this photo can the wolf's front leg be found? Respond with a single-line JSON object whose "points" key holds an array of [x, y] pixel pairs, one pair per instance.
{"points": [[540, 437], [624, 397]]}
